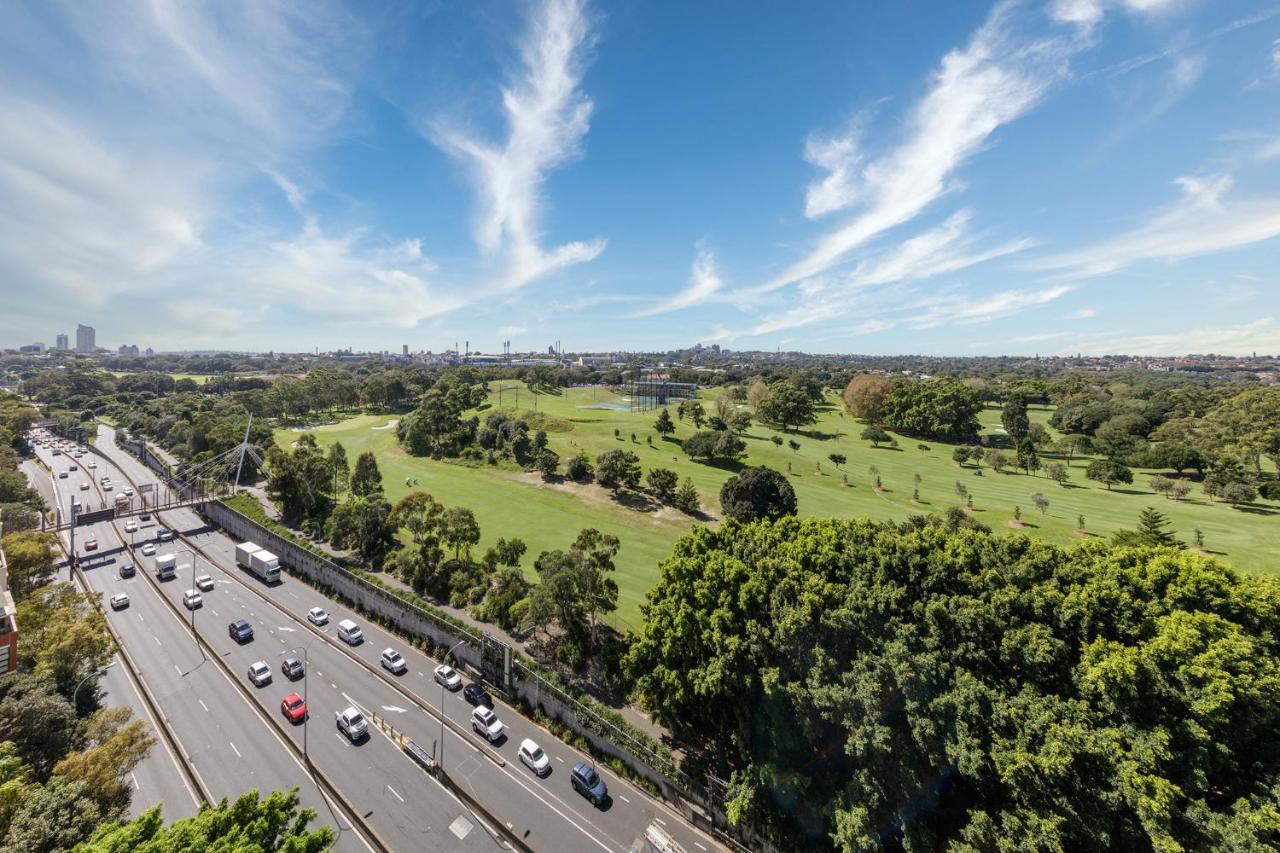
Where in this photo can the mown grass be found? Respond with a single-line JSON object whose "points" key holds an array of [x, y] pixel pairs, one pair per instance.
{"points": [[511, 503]]}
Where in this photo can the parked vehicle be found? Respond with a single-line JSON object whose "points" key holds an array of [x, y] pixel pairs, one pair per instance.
{"points": [[349, 632], [587, 782], [448, 677], [260, 673], [293, 708], [318, 616], [292, 669], [487, 724], [352, 724], [240, 631], [393, 661], [119, 601], [534, 758], [166, 564]]}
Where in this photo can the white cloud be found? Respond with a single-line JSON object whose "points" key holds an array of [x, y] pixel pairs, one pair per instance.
{"points": [[1262, 336], [1203, 221], [704, 283], [1083, 314], [547, 116], [208, 321], [965, 309], [990, 82], [1089, 12], [512, 331], [839, 156], [941, 250]]}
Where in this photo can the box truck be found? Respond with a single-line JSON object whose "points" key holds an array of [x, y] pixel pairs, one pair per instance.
{"points": [[260, 562], [166, 566], [243, 550]]}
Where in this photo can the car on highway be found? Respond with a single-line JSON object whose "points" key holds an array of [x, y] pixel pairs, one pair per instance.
{"points": [[240, 631], [534, 758], [191, 599], [164, 534], [62, 475], [587, 782], [91, 544], [91, 464], [84, 487], [149, 549], [293, 708], [119, 601], [105, 478], [57, 452], [126, 569], [106, 487], [72, 468], [393, 661], [204, 583], [476, 695], [131, 526], [128, 492], [318, 616], [292, 669], [349, 632], [352, 724], [448, 677], [260, 673], [487, 724]]}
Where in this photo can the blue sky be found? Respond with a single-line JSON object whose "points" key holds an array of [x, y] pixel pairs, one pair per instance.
{"points": [[915, 177]]}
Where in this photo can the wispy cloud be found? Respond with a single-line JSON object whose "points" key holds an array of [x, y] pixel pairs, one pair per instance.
{"points": [[1262, 335], [945, 249], [977, 89], [966, 309], [1203, 221], [547, 116], [704, 284]]}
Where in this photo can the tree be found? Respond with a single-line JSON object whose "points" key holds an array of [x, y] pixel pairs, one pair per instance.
{"points": [[865, 395], [664, 426], [1180, 490], [1080, 523], [1238, 493], [777, 440], [714, 446], [1161, 485], [578, 467], [940, 408], [687, 499], [54, 817], [1028, 459], [1151, 531], [366, 479], [663, 482], [363, 524], [300, 481], [1108, 472], [786, 406], [250, 823], [794, 445], [337, 459], [1058, 473], [758, 493], [1041, 502], [962, 491], [461, 531], [997, 460], [756, 392], [114, 747], [766, 642], [960, 455], [546, 462], [593, 552], [837, 459], [1073, 444], [1017, 513], [1013, 416], [509, 552], [30, 560], [617, 470], [977, 454], [875, 435]]}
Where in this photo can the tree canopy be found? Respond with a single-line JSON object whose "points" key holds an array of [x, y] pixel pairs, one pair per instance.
{"points": [[939, 408], [923, 687], [757, 493]]}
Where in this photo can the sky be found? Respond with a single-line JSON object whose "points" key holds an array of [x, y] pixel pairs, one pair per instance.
{"points": [[1094, 176]]}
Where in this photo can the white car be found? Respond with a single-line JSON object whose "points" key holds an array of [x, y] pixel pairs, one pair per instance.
{"points": [[318, 616], [84, 487], [131, 526], [106, 487], [91, 464], [351, 723], [191, 599], [486, 723], [448, 677], [119, 601], [393, 661], [149, 549], [260, 673], [204, 583], [534, 758], [164, 534], [128, 493]]}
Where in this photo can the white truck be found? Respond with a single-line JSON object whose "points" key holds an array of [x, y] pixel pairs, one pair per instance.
{"points": [[166, 566], [260, 562]]}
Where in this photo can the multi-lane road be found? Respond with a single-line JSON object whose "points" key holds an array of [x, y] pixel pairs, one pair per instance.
{"points": [[234, 732]]}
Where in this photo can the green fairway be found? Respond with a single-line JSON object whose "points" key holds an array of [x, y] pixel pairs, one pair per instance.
{"points": [[513, 503]]}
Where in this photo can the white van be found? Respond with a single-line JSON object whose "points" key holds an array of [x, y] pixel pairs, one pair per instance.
{"points": [[349, 633]]}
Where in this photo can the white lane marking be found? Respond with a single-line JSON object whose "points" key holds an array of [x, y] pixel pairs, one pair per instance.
{"points": [[624, 799], [397, 795], [140, 619], [393, 708], [202, 705], [214, 612], [136, 786], [699, 846], [335, 687], [236, 751], [286, 628], [157, 639], [661, 821], [561, 760], [178, 668]]}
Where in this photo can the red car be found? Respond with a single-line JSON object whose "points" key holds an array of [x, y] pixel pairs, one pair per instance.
{"points": [[294, 709], [91, 545]]}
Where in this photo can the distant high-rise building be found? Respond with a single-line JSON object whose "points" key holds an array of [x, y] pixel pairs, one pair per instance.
{"points": [[36, 347], [86, 338], [62, 342], [128, 349], [404, 349]]}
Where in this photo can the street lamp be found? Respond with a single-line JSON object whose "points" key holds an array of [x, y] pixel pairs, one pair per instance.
{"points": [[306, 677], [94, 674], [445, 660], [195, 636]]}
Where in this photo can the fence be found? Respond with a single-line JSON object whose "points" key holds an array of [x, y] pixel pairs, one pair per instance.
{"points": [[697, 803]]}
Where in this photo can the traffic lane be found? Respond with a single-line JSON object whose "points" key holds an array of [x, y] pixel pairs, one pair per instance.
{"points": [[528, 805], [630, 811], [374, 775]]}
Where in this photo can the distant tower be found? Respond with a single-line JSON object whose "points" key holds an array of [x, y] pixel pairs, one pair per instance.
{"points": [[86, 338], [404, 349], [63, 342]]}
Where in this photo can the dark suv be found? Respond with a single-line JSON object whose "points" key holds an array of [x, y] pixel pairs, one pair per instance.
{"points": [[476, 695], [588, 783], [240, 631], [126, 570]]}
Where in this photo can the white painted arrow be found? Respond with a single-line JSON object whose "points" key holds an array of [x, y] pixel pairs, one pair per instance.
{"points": [[390, 708]]}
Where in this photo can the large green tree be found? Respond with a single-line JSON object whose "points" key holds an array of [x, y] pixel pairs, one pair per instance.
{"points": [[786, 405], [757, 493], [939, 408], [922, 687]]}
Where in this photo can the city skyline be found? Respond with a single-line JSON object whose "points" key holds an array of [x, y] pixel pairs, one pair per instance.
{"points": [[1061, 177]]}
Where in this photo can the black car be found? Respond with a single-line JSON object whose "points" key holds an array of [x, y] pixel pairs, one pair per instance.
{"points": [[292, 669], [126, 570], [240, 631], [476, 695], [588, 783]]}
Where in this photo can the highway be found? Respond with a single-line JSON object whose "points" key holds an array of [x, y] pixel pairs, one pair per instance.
{"points": [[234, 742], [546, 813]]}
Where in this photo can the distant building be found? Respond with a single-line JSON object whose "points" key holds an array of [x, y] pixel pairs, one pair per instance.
{"points": [[36, 347], [150, 351], [86, 339], [128, 349], [404, 349], [63, 342]]}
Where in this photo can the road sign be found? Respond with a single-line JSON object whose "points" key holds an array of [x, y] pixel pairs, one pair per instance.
{"points": [[95, 516]]}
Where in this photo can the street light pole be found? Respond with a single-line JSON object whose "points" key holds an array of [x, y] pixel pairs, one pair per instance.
{"points": [[445, 660], [95, 673]]}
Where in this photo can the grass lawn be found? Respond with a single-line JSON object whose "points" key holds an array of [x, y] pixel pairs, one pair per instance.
{"points": [[198, 378], [510, 503]]}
